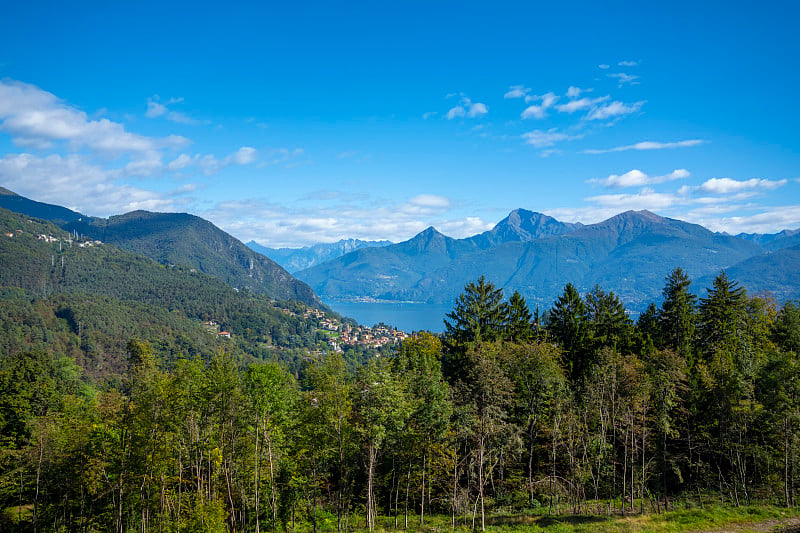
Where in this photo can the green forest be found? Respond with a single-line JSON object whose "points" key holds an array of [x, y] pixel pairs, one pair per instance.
{"points": [[574, 411]]}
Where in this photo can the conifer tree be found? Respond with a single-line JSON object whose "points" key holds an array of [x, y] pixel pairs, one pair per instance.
{"points": [[568, 326], [608, 323], [676, 318], [520, 325], [479, 314]]}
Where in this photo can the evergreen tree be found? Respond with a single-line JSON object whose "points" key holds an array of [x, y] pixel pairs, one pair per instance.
{"points": [[722, 315], [786, 329], [479, 315], [568, 325], [519, 322], [676, 318], [608, 323]]}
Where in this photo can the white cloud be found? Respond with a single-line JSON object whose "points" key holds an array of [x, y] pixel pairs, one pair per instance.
{"points": [[604, 66], [455, 112], [765, 221], [614, 109], [282, 156], [516, 91], [157, 109], [542, 139], [573, 92], [628, 63], [728, 186], [648, 145], [36, 118], [147, 165], [182, 161], [645, 199], [372, 219], [580, 104], [625, 79], [74, 182], [244, 156], [467, 108], [637, 178], [540, 111], [477, 109], [210, 164], [430, 200]]}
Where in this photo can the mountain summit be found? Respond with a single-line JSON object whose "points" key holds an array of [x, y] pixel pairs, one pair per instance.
{"points": [[522, 225]]}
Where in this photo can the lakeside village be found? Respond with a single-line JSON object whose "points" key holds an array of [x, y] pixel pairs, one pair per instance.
{"points": [[340, 334]]}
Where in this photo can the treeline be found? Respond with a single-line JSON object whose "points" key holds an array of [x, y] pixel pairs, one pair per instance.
{"points": [[579, 410]]}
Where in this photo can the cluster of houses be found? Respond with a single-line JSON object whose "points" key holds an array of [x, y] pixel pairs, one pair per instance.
{"points": [[343, 334], [51, 239], [363, 336]]}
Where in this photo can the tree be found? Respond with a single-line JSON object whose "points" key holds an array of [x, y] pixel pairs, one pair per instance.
{"points": [[786, 330], [568, 326], [418, 364], [326, 429], [608, 323], [485, 395], [381, 409], [479, 315], [779, 392], [271, 392], [538, 378], [676, 318], [519, 319], [722, 315]]}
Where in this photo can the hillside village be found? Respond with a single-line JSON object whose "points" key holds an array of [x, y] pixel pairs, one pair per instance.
{"points": [[341, 334], [345, 334]]}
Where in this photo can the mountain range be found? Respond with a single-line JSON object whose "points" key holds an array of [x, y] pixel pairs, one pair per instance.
{"points": [[296, 259], [176, 239], [630, 253]]}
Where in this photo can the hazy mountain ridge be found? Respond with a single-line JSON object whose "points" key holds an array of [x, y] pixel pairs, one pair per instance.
{"points": [[629, 253], [296, 259]]}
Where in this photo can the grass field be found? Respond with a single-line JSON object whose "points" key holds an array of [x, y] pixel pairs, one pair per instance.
{"points": [[709, 518]]}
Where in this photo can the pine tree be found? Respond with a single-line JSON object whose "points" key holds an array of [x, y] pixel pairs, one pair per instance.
{"points": [[676, 318], [479, 314], [520, 325], [568, 325], [722, 315], [609, 324]]}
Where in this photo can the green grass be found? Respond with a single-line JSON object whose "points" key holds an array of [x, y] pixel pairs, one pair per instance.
{"points": [[710, 518]]}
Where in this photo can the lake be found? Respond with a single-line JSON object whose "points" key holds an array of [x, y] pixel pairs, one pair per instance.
{"points": [[404, 316]]}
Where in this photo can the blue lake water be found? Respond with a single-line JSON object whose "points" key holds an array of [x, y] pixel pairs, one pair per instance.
{"points": [[404, 316]]}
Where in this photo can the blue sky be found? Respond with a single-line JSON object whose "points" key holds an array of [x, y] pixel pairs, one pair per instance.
{"points": [[295, 123]]}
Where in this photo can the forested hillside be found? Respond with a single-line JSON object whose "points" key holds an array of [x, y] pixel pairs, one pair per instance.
{"points": [[86, 299], [580, 410], [176, 239]]}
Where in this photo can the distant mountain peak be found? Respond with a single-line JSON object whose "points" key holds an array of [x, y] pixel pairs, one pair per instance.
{"points": [[6, 192], [522, 225], [430, 230]]}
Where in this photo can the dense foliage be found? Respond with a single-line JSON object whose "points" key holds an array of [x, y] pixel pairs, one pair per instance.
{"points": [[587, 411]]}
